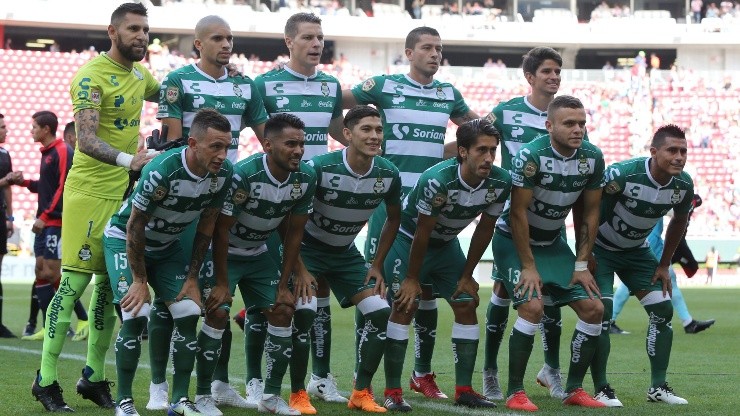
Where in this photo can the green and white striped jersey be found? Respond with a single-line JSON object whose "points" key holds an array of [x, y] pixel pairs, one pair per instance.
{"points": [[556, 181], [442, 193], [259, 202], [173, 196], [634, 202], [188, 89], [316, 100], [345, 200], [414, 119]]}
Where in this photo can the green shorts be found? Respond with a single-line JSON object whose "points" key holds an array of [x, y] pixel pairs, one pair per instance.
{"points": [[494, 272], [84, 218], [275, 247], [344, 271], [165, 269], [554, 263], [257, 278], [440, 269], [635, 269], [374, 227]]}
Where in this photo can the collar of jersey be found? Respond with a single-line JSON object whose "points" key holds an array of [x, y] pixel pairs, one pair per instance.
{"points": [[113, 61], [409, 79], [200, 71], [555, 152], [187, 169], [533, 108], [349, 168], [269, 174], [465, 184], [650, 176], [301, 76]]}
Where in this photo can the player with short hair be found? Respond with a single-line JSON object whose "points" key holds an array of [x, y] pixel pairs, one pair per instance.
{"points": [[107, 97], [269, 191], [6, 213], [446, 199], [70, 135], [638, 193], [550, 176]]}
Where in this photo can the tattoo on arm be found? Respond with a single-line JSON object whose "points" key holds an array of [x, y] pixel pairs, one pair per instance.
{"points": [[88, 141], [583, 238], [136, 243], [200, 248]]}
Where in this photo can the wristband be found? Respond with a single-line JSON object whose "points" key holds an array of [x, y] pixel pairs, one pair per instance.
{"points": [[124, 160], [581, 266], [10, 218]]}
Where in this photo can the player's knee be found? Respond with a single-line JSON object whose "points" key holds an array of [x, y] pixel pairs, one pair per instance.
{"points": [[280, 315], [217, 318], [143, 312], [373, 303], [184, 308], [531, 310], [659, 305]]}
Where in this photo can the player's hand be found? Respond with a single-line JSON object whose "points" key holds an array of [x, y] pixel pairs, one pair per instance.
{"points": [[219, 296], [662, 274], [233, 70], [375, 273], [529, 282], [38, 226], [135, 298], [407, 294], [304, 286], [191, 291], [283, 297], [141, 158], [16, 178], [467, 285], [586, 279]]}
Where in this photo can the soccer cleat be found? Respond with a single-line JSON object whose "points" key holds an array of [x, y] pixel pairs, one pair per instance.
{"points": [[254, 392], [70, 332], [426, 386], [158, 396], [97, 392], [579, 397], [50, 396], [520, 401], [206, 405], [37, 336], [614, 329], [6, 333], [300, 402], [697, 326], [369, 388], [466, 396], [664, 394], [491, 387], [394, 401], [183, 407], [29, 330], [82, 332], [607, 396], [126, 408], [276, 405], [550, 377], [225, 395], [325, 389], [364, 400]]}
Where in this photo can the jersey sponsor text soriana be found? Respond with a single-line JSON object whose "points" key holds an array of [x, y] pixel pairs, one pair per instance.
{"points": [[173, 196], [316, 100], [442, 193], [118, 94], [556, 181], [188, 89], [414, 119], [345, 200], [634, 202], [260, 202]]}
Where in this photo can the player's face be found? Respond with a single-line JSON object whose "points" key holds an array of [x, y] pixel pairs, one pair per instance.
{"points": [[547, 78], [37, 132], [131, 37], [367, 136], [307, 45], [216, 45], [566, 126], [3, 130], [286, 149], [670, 158], [478, 160], [210, 151], [426, 55]]}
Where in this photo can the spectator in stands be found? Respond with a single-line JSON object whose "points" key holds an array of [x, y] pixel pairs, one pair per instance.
{"points": [[446, 8], [608, 70], [711, 263], [489, 63], [712, 10], [696, 6], [416, 8], [6, 210], [70, 135], [654, 61]]}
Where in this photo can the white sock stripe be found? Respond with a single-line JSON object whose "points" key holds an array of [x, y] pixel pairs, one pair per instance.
{"points": [[144, 311], [323, 302], [212, 332], [183, 308], [397, 331], [427, 305], [461, 331], [311, 304], [654, 297], [500, 301], [593, 330], [526, 327], [280, 331], [371, 304]]}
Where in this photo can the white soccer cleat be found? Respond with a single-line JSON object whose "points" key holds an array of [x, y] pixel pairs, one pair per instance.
{"points": [[491, 387], [607, 396], [158, 396], [183, 407], [225, 395], [550, 377], [254, 393], [206, 405], [325, 389], [126, 408], [276, 405], [664, 394]]}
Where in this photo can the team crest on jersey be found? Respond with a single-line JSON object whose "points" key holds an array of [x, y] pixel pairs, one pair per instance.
{"points": [[122, 285], [530, 169], [379, 186], [270, 211], [583, 167], [676, 197], [240, 196], [159, 193], [214, 185], [324, 88], [439, 200], [172, 94], [441, 94], [238, 91], [613, 187], [138, 74], [490, 195], [368, 84], [95, 96], [85, 254], [296, 192]]}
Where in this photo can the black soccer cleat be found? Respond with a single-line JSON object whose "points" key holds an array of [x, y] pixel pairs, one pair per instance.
{"points": [[698, 326], [50, 396], [97, 392], [616, 330], [470, 398], [394, 401]]}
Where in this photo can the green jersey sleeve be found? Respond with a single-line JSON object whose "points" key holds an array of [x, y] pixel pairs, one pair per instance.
{"points": [[255, 113], [432, 195], [86, 92], [597, 180], [368, 91], [151, 190], [393, 197], [684, 207], [461, 107], [171, 97], [305, 203], [526, 170]]}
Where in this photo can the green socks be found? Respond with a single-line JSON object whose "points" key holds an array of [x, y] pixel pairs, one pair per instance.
{"points": [[255, 333], [128, 351], [497, 316], [397, 340], [521, 341], [425, 335], [464, 351], [321, 338], [277, 356], [552, 328], [160, 335], [371, 347], [209, 346], [659, 338], [582, 348], [302, 323], [603, 348]]}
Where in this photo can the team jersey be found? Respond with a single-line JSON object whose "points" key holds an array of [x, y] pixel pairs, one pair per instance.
{"points": [[259, 202], [442, 193], [188, 89], [118, 95], [634, 202], [56, 160], [556, 182], [345, 200], [414, 120], [316, 100], [173, 196]]}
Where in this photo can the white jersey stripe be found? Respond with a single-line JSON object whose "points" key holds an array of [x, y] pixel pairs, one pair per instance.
{"points": [[430, 118], [401, 148], [291, 88]]}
